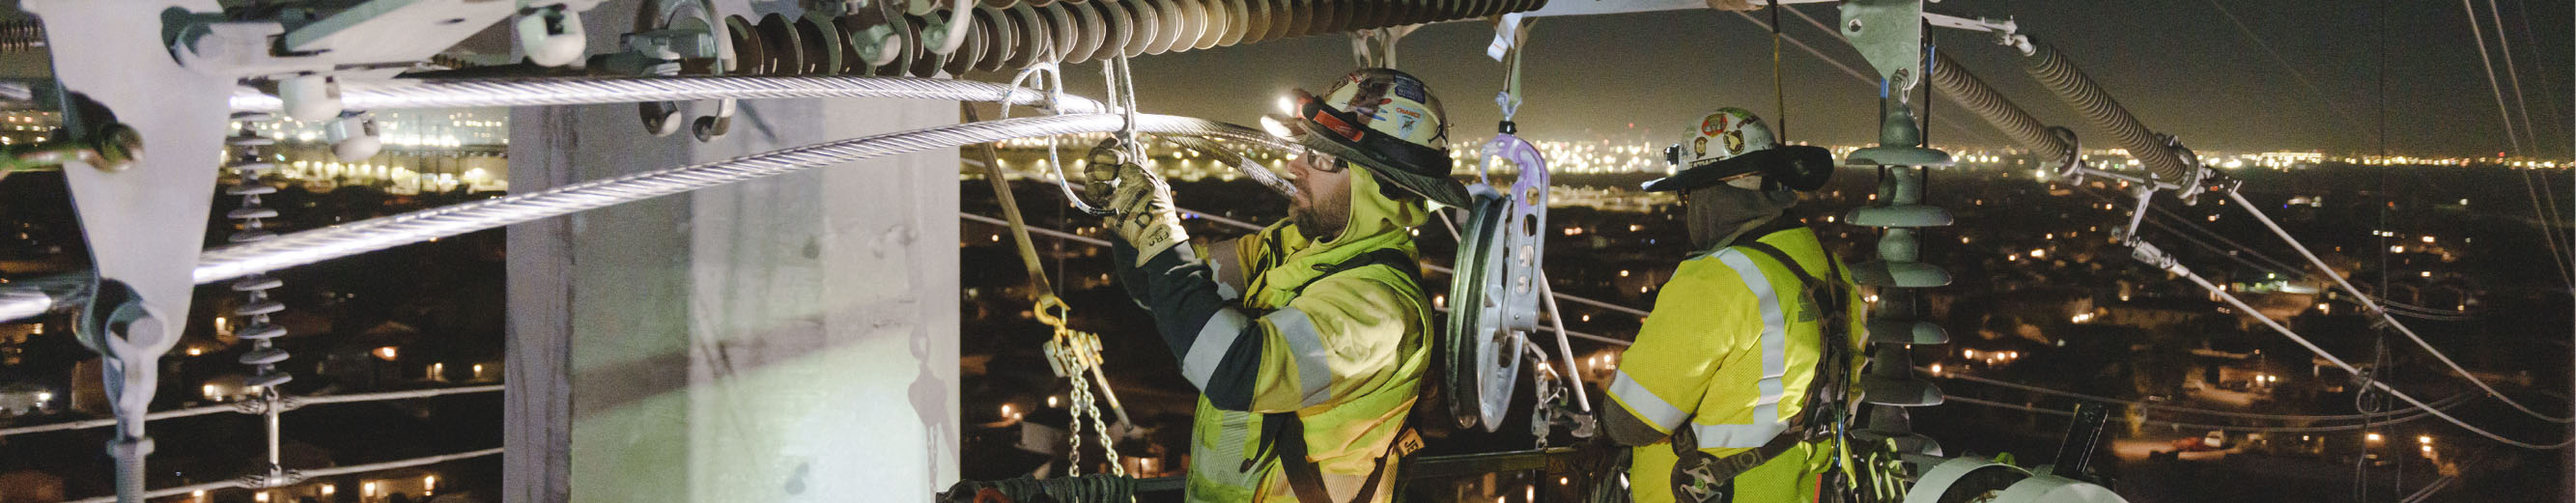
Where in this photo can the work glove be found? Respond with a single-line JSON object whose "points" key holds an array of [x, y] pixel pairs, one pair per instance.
{"points": [[1140, 203]]}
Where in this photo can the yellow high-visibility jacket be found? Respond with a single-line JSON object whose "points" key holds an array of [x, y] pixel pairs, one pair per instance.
{"points": [[1317, 331], [1729, 352]]}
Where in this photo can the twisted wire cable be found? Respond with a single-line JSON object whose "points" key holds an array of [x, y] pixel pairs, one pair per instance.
{"points": [[600, 90], [363, 236]]}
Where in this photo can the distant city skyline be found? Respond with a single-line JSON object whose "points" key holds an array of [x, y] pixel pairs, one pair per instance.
{"points": [[2182, 67]]}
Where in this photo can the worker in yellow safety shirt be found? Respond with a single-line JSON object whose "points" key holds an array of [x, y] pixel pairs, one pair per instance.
{"points": [[1735, 390], [1308, 340]]}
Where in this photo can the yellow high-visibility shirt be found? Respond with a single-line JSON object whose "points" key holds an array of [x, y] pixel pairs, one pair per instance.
{"points": [[1729, 352]]}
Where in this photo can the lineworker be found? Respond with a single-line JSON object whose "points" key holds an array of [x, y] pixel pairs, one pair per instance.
{"points": [[1734, 391], [1308, 340]]}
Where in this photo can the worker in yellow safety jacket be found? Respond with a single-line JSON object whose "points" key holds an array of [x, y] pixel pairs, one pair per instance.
{"points": [[1308, 340], [1730, 393]]}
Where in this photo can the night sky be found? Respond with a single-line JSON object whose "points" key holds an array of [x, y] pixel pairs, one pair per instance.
{"points": [[2180, 65]]}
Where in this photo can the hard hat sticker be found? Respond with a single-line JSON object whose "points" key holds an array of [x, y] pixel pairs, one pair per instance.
{"points": [[1410, 89]]}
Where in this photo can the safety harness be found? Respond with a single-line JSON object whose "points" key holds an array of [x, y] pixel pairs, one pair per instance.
{"points": [[1284, 435], [1701, 476]]}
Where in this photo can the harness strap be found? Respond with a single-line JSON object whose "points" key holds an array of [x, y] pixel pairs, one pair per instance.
{"points": [[1284, 434], [1830, 380], [1832, 377], [1306, 478]]}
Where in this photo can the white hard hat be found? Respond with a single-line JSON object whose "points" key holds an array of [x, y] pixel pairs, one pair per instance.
{"points": [[1729, 132]]}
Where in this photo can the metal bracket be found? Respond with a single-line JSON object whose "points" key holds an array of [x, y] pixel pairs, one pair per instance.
{"points": [[677, 37], [381, 35], [1888, 33], [1559, 403], [2007, 32], [145, 223]]}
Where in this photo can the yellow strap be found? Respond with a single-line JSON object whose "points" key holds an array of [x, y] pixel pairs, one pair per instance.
{"points": [[1011, 212]]}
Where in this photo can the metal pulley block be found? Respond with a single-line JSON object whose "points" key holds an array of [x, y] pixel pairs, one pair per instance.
{"points": [[1494, 297], [1483, 356]]}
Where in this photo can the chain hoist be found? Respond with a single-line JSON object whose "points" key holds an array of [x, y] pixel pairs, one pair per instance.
{"points": [[1075, 356]]}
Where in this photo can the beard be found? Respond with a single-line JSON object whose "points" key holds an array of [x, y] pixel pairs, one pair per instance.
{"points": [[1318, 223]]}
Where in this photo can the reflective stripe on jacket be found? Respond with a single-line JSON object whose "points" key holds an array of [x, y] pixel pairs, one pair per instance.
{"points": [[1344, 351], [1729, 352]]}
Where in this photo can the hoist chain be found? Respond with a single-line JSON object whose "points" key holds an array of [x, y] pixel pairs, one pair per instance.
{"points": [[1074, 354]]}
